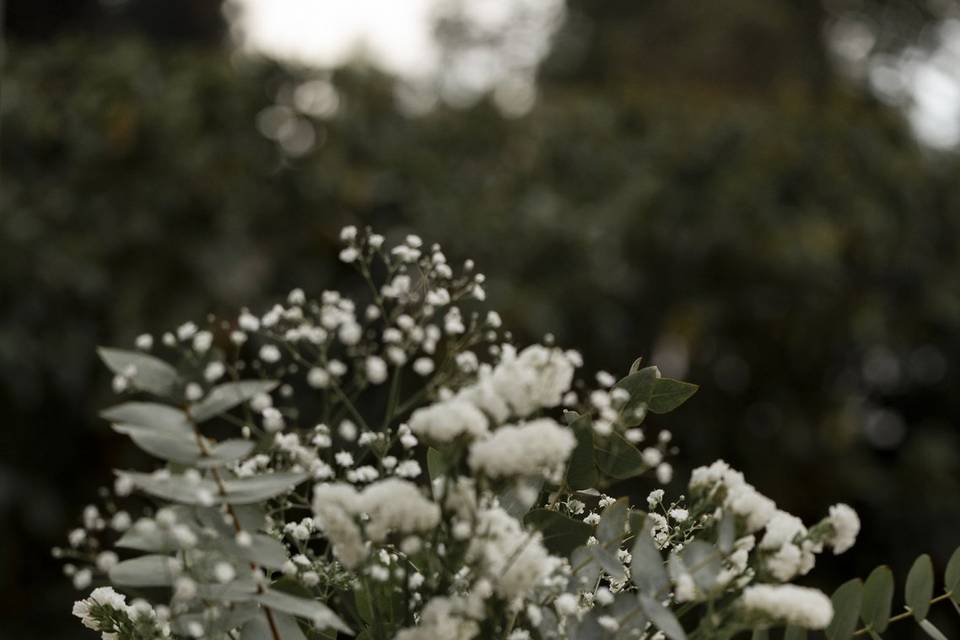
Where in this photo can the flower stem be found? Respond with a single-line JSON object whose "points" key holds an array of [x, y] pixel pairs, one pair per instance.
{"points": [[903, 616]]}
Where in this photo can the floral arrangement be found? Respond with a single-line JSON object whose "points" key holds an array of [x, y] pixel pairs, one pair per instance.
{"points": [[399, 470]]}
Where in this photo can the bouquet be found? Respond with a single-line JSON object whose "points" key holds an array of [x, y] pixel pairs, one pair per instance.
{"points": [[396, 468]]}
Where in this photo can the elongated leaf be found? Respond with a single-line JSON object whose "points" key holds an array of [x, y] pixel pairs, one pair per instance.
{"points": [[847, 601], [795, 633], [312, 610], [228, 395], [520, 496], [561, 535], [613, 524], [153, 539], [145, 571], [586, 570], [618, 458], [877, 599], [727, 532], [607, 558], [179, 447], [175, 488], [951, 577], [258, 628], [242, 590], [646, 565], [145, 372], [704, 563], [436, 464], [581, 470], [662, 618], [626, 610], [919, 587], [668, 394], [931, 630], [264, 550], [149, 414], [262, 487], [215, 626], [226, 452]]}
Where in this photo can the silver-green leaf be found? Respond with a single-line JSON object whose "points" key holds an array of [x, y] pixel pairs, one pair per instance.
{"points": [[226, 396], [145, 372], [919, 587]]}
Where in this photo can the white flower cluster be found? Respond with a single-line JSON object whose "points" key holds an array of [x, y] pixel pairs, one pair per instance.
{"points": [[512, 558], [389, 506], [739, 496], [790, 604], [787, 547], [538, 447], [107, 611]]}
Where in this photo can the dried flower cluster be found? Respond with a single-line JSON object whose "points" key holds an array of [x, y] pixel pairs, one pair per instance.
{"points": [[398, 469]]}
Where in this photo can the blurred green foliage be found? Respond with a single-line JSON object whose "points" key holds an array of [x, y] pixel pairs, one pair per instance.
{"points": [[793, 252]]}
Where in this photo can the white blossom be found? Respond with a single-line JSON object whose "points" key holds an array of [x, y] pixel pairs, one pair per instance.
{"points": [[537, 447], [790, 604], [846, 525], [447, 420]]}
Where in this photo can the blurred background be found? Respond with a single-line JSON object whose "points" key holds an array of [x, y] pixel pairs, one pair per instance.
{"points": [[760, 196]]}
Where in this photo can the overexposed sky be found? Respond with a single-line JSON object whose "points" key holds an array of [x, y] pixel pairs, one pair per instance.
{"points": [[504, 42], [507, 39]]}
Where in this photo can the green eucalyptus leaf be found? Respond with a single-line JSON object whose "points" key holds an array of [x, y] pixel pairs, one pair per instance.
{"points": [[215, 626], [581, 470], [951, 577], [522, 494], [228, 395], [662, 617], [561, 534], [919, 587], [150, 538], [145, 372], [262, 487], [264, 550], [668, 394], [613, 524], [639, 384], [258, 628], [179, 447], [226, 452], [646, 565], [586, 569], [618, 458], [727, 532], [636, 365], [175, 488], [312, 610], [607, 559], [877, 599], [144, 571], [436, 464], [242, 590], [847, 601], [161, 417], [704, 563]]}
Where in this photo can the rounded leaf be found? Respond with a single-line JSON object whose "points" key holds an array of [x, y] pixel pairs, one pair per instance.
{"points": [[919, 587], [846, 601], [877, 599], [951, 576]]}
